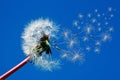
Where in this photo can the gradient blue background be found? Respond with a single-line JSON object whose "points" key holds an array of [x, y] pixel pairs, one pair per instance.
{"points": [[15, 14]]}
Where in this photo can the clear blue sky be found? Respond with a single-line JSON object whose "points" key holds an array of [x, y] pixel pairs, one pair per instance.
{"points": [[15, 14]]}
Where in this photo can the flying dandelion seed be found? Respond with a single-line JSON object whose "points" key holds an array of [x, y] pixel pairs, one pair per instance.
{"points": [[97, 43], [79, 27], [72, 42], [65, 55], [93, 20], [96, 10], [88, 48], [97, 50], [88, 29], [103, 14], [78, 57], [85, 38], [98, 15], [106, 23], [110, 9], [111, 15], [75, 23], [111, 29], [99, 28], [98, 24], [105, 37], [75, 57], [80, 16], [89, 15], [66, 34]]}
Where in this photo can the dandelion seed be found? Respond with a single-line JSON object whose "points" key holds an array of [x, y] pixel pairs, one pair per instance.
{"points": [[99, 29], [72, 42], [65, 34], [96, 10], [88, 48], [89, 15], [106, 23], [75, 57], [98, 15], [93, 20], [110, 9], [88, 29], [65, 55], [97, 43], [78, 57], [97, 50], [111, 15], [106, 37], [85, 38], [79, 27], [80, 16], [75, 23], [103, 14], [111, 29], [99, 24]]}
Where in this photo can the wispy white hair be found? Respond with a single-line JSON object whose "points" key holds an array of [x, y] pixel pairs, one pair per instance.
{"points": [[31, 36]]}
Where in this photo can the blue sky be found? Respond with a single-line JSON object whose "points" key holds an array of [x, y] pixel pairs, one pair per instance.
{"points": [[16, 14]]}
